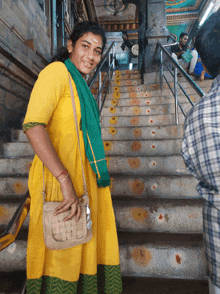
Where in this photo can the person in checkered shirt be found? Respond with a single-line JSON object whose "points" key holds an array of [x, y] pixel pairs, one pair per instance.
{"points": [[201, 146]]}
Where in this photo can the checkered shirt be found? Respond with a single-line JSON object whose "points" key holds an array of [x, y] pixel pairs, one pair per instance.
{"points": [[201, 153], [201, 144]]}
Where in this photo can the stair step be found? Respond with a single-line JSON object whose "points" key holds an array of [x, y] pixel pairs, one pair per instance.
{"points": [[143, 133], [143, 110], [155, 87], [147, 166], [135, 93], [137, 216], [140, 121], [15, 167], [180, 217], [13, 187], [144, 259], [122, 82], [162, 255], [149, 101], [18, 136], [16, 149], [154, 187], [143, 147], [127, 72], [126, 77], [7, 211]]}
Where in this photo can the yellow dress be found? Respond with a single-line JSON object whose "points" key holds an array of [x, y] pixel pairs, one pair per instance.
{"points": [[88, 268]]}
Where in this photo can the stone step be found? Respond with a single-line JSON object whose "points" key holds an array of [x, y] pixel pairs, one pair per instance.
{"points": [[127, 72], [140, 121], [156, 187], [143, 147], [135, 93], [146, 166], [7, 211], [155, 87], [122, 82], [143, 133], [18, 136], [143, 110], [185, 260], [16, 149], [153, 100], [150, 187], [126, 77], [13, 187], [137, 216], [15, 167], [159, 217]]}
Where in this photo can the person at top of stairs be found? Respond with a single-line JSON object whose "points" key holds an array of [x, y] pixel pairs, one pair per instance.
{"points": [[201, 146], [50, 127]]}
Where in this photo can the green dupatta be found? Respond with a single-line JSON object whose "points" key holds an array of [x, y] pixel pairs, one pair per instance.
{"points": [[91, 127]]}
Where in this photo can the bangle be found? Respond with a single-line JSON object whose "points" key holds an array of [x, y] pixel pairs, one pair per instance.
{"points": [[64, 179], [65, 172]]}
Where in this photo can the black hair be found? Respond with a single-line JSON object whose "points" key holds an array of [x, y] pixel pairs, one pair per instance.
{"points": [[79, 30], [182, 35], [208, 43]]}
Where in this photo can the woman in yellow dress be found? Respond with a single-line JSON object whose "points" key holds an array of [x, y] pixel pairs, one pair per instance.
{"points": [[49, 125]]}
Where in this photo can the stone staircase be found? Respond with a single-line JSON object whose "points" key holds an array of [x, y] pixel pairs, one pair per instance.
{"points": [[158, 211]]}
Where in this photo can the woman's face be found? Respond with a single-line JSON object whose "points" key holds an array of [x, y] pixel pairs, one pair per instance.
{"points": [[86, 53]]}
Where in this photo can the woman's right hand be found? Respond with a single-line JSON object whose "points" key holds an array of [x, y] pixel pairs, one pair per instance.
{"points": [[70, 200]]}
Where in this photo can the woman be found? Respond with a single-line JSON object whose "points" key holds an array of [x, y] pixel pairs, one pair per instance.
{"points": [[49, 124]]}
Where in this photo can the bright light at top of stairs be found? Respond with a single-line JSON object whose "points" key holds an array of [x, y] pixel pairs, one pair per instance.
{"points": [[206, 14]]}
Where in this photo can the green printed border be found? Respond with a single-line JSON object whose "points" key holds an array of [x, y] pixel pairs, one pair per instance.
{"points": [[31, 125], [107, 280]]}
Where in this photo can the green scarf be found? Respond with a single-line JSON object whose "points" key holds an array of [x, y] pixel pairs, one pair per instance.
{"points": [[91, 127]]}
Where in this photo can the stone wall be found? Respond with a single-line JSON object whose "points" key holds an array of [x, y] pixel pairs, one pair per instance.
{"points": [[25, 47]]}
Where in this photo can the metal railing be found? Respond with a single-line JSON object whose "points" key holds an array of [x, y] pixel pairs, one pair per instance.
{"points": [[110, 56], [174, 75]]}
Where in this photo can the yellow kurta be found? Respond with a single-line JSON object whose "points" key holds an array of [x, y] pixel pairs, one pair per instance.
{"points": [[50, 104]]}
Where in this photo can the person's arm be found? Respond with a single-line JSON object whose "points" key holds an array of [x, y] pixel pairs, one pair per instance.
{"points": [[43, 147], [179, 53]]}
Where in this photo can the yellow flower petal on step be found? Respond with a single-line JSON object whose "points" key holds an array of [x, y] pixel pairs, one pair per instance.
{"points": [[117, 82], [112, 130], [114, 120], [116, 95], [112, 109], [118, 72], [107, 161], [116, 89], [117, 77], [107, 145], [114, 102]]}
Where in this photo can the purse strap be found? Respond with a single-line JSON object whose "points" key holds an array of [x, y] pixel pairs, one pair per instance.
{"points": [[77, 131]]}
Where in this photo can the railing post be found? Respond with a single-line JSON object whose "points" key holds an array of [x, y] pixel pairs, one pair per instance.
{"points": [[109, 71], [175, 96], [113, 59], [161, 69], [100, 85]]}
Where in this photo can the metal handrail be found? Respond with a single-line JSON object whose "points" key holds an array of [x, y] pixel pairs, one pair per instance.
{"points": [[13, 227], [179, 68]]}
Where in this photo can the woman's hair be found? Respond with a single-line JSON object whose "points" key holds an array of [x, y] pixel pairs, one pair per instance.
{"points": [[208, 43], [79, 30]]}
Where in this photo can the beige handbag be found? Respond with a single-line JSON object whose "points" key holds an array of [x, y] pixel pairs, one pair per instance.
{"points": [[57, 233]]}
